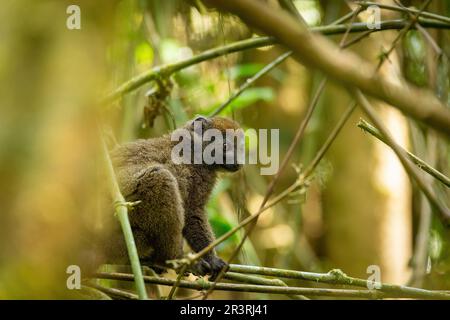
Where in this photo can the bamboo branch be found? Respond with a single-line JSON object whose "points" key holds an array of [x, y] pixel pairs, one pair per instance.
{"points": [[121, 207], [336, 276], [243, 278], [416, 160], [257, 42], [410, 170], [350, 293], [115, 293], [239, 277]]}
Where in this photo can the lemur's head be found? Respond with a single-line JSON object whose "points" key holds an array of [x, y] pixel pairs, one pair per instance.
{"points": [[220, 142]]}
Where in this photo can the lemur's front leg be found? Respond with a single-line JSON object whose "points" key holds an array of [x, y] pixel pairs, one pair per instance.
{"points": [[197, 231]]}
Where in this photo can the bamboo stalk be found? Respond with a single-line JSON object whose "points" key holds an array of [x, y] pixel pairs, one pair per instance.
{"points": [[121, 207]]}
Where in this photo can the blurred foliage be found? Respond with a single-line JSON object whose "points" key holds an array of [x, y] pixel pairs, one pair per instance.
{"points": [[52, 189]]}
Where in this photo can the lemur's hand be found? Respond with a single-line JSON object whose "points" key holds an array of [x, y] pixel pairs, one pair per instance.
{"points": [[210, 265]]}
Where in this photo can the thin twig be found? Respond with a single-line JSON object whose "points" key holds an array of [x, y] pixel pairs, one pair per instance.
{"points": [[251, 81], [423, 31], [357, 38], [413, 174], [400, 35], [333, 135], [416, 160], [174, 289], [289, 6]]}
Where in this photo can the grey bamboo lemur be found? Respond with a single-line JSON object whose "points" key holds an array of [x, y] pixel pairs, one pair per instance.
{"points": [[172, 197]]}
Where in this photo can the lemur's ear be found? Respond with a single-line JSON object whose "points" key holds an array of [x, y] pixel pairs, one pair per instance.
{"points": [[200, 124]]}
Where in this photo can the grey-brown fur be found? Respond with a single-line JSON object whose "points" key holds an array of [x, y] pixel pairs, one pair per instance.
{"points": [[173, 198]]}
